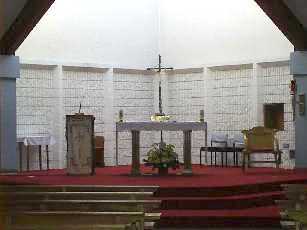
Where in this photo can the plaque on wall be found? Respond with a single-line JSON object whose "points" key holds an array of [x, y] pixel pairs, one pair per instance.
{"points": [[80, 144]]}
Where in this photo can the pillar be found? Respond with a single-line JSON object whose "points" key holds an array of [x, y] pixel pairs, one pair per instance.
{"points": [[187, 155], [9, 72], [110, 117], [135, 166], [298, 68]]}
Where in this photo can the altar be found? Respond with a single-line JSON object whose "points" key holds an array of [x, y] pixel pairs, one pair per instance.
{"points": [[136, 127]]}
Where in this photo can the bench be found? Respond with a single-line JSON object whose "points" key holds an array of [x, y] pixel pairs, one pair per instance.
{"points": [[86, 205], [77, 195], [77, 218], [76, 188], [74, 227], [55, 201]]}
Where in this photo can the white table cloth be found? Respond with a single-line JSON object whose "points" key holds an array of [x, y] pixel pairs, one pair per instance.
{"points": [[36, 140], [43, 140]]}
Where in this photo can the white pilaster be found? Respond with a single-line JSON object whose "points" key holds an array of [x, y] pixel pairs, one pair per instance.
{"points": [[257, 94], [9, 72], [109, 117], [298, 67], [59, 118]]}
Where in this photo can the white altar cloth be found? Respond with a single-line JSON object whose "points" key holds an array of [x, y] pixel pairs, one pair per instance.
{"points": [[36, 140]]}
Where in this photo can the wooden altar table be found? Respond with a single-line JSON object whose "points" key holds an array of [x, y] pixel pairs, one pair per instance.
{"points": [[136, 127]]}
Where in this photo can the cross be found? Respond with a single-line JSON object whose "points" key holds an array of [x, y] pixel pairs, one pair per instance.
{"points": [[159, 69]]}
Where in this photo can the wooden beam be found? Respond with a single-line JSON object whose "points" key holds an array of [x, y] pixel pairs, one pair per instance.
{"points": [[24, 23], [286, 21]]}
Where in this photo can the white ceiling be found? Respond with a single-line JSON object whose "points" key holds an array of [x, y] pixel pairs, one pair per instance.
{"points": [[10, 10], [299, 9]]}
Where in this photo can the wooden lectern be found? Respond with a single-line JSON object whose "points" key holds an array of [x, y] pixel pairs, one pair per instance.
{"points": [[80, 144]]}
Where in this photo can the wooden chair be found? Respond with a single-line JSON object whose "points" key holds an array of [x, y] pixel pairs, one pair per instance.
{"points": [[99, 149], [260, 140]]}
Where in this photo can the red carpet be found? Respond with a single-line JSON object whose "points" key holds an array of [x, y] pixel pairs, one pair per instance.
{"points": [[206, 177], [212, 197]]}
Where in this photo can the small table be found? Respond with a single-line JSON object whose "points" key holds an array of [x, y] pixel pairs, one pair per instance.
{"points": [[34, 141], [222, 150]]}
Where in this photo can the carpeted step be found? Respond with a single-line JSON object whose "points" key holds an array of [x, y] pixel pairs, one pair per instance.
{"points": [[217, 191], [217, 203], [254, 217]]}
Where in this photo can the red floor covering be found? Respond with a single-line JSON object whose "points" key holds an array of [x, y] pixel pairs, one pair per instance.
{"points": [[212, 197], [203, 177]]}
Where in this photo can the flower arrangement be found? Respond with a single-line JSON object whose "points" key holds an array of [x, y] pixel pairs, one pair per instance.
{"points": [[162, 156], [160, 118]]}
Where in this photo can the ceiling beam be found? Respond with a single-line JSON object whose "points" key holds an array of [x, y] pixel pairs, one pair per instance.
{"points": [[286, 21], [24, 23]]}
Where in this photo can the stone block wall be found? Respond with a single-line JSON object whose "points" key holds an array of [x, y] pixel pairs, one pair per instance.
{"points": [[134, 94], [85, 86], [185, 100], [228, 99], [274, 82], [232, 97], [36, 103]]}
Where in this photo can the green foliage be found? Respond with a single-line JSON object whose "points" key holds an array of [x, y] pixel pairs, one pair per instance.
{"points": [[299, 216], [162, 155]]}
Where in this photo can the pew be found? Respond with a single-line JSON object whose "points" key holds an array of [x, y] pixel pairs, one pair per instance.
{"points": [[79, 227], [61, 218], [124, 207], [77, 188], [77, 195], [86, 205], [294, 209]]}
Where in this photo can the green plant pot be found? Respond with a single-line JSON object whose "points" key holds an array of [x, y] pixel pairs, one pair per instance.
{"points": [[163, 171]]}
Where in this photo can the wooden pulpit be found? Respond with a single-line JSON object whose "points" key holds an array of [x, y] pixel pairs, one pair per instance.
{"points": [[80, 144]]}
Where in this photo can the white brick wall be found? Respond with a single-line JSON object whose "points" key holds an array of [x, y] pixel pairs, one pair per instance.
{"points": [[231, 96], [36, 102], [228, 100], [274, 80], [85, 86], [133, 93], [185, 100]]}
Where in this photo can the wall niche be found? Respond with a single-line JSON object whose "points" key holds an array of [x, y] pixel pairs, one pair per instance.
{"points": [[274, 116]]}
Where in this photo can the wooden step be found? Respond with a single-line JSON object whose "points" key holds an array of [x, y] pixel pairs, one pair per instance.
{"points": [[297, 187], [74, 227], [75, 217], [152, 217], [292, 205], [85, 205], [76, 188], [297, 192], [76, 195], [289, 225], [149, 225]]}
